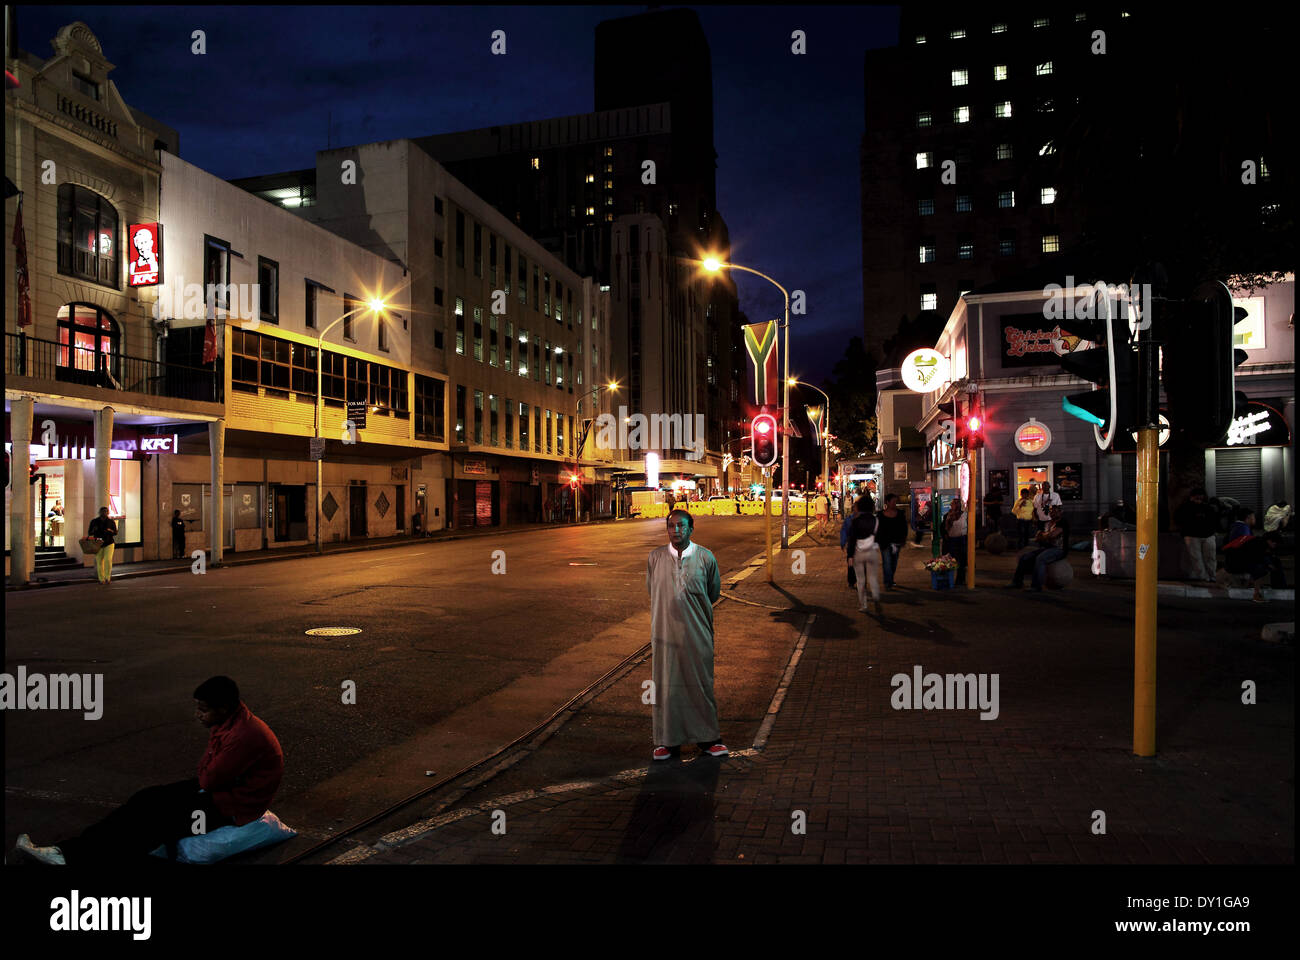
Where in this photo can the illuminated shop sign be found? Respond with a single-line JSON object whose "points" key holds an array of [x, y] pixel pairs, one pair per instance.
{"points": [[1032, 438], [1259, 426], [144, 269], [924, 370]]}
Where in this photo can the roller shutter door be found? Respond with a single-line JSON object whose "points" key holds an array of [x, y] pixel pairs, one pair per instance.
{"points": [[1237, 474]]}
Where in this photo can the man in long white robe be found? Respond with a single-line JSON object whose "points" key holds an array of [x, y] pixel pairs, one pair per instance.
{"points": [[683, 581]]}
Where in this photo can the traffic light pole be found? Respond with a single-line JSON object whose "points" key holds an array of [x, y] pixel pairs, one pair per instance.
{"points": [[767, 518], [1148, 558], [972, 518]]}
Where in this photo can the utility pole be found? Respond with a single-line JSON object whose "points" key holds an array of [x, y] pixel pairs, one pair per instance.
{"points": [[1148, 561]]}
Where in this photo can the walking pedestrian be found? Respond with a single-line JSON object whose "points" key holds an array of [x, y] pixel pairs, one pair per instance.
{"points": [[823, 509], [178, 535], [865, 553], [954, 531], [683, 581], [238, 777], [1196, 521], [845, 527], [891, 535], [103, 529], [1043, 504], [1024, 513]]}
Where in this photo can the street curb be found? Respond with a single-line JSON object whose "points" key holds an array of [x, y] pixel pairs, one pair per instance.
{"points": [[410, 542]]}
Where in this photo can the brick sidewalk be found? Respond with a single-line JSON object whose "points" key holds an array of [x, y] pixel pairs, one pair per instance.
{"points": [[873, 784]]}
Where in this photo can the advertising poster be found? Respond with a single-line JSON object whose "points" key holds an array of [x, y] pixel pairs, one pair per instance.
{"points": [[921, 493], [1069, 481]]}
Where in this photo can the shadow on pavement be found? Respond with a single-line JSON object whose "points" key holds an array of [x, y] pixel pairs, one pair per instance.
{"points": [[672, 819]]}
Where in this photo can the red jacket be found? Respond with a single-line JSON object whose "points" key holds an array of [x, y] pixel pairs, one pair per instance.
{"points": [[242, 766]]}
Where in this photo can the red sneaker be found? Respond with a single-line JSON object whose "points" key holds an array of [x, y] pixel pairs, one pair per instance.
{"points": [[718, 750], [662, 753]]}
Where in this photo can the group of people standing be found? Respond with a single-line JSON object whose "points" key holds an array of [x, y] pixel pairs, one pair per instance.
{"points": [[1244, 553]]}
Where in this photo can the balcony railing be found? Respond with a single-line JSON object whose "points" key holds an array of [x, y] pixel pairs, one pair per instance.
{"points": [[46, 360]]}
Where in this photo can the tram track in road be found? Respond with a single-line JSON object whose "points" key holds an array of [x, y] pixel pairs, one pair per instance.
{"points": [[370, 830]]}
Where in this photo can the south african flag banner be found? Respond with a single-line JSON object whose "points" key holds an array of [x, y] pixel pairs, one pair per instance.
{"points": [[760, 344]]}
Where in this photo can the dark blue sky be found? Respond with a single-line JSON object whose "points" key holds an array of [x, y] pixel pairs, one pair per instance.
{"points": [[787, 127]]}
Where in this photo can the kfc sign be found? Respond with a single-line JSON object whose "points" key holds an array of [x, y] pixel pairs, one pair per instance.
{"points": [[144, 269], [167, 444]]}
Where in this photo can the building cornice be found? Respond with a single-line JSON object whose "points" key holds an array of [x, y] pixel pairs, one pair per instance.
{"points": [[90, 139]]}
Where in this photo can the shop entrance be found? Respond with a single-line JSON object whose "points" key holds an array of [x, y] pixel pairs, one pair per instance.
{"points": [[47, 506], [290, 513], [357, 511]]}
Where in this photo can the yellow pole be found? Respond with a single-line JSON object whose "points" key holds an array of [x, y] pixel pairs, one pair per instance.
{"points": [[972, 515], [1144, 631], [767, 520]]}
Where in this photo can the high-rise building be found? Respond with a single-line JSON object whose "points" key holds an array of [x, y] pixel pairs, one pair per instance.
{"points": [[958, 159]]}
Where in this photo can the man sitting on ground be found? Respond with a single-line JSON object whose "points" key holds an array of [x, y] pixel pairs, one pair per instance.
{"points": [[238, 776]]}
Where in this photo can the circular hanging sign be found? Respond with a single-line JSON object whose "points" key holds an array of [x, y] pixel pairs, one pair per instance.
{"points": [[924, 370], [1032, 438]]}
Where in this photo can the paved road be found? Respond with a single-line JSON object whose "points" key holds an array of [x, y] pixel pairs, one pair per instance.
{"points": [[452, 662]]}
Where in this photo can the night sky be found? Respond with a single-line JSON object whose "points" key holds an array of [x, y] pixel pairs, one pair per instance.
{"points": [[275, 79]]}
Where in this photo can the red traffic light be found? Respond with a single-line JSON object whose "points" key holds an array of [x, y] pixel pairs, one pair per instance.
{"points": [[763, 433], [974, 431]]}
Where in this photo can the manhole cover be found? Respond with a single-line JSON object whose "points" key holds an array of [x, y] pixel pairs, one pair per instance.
{"points": [[332, 631]]}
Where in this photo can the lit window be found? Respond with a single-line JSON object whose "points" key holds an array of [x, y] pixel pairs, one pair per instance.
{"points": [[591, 178], [1080, 17], [591, 211], [999, 28], [1002, 110], [609, 218], [961, 114], [999, 71], [1047, 149], [963, 203], [1263, 169], [536, 163], [1125, 15], [927, 253], [1043, 69], [960, 78], [965, 251], [920, 38], [1047, 195], [609, 201], [1041, 22], [956, 34], [609, 184], [1046, 106], [1051, 243], [1006, 199], [1004, 151], [1006, 248], [923, 119], [925, 207], [929, 301], [609, 151], [924, 159]]}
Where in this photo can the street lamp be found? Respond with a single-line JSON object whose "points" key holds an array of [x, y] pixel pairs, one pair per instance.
{"points": [[612, 386], [377, 307], [826, 436], [713, 265]]}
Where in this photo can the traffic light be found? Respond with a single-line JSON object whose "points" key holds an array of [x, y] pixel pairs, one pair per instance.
{"points": [[1198, 362], [763, 432], [972, 429], [1112, 366]]}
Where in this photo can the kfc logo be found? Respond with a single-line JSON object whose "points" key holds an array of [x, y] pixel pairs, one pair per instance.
{"points": [[145, 267], [158, 444]]}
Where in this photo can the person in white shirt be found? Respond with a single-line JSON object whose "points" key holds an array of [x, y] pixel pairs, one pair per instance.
{"points": [[1043, 504]]}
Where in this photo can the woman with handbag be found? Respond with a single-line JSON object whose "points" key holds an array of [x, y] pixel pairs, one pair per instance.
{"points": [[103, 529], [865, 553]]}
